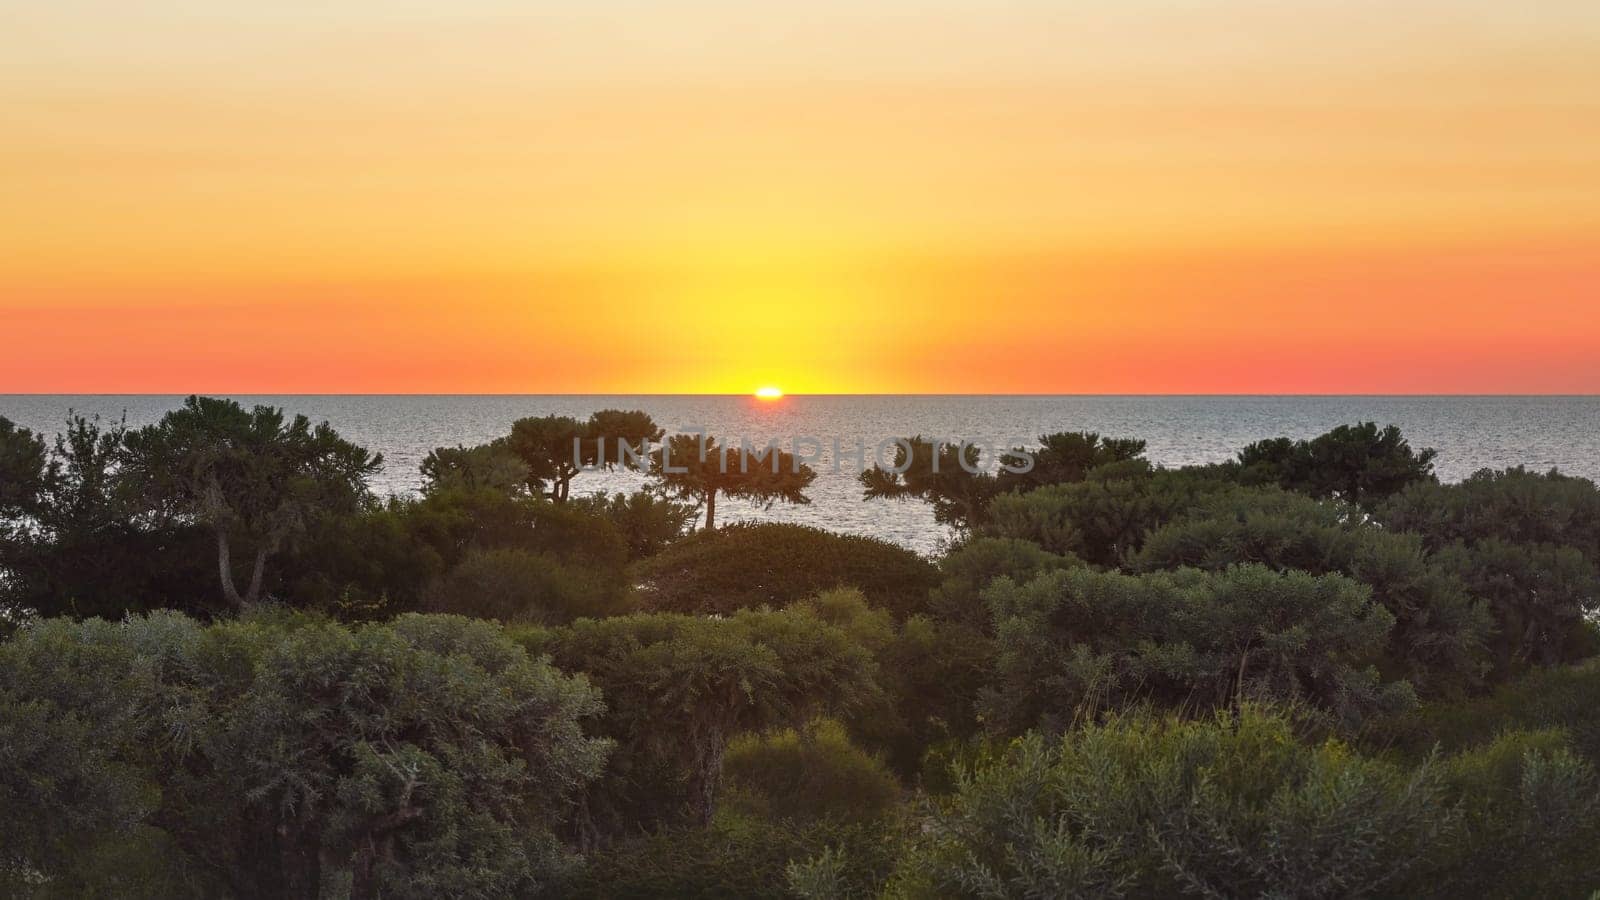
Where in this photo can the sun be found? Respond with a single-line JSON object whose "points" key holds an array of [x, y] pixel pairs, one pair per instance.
{"points": [[769, 393]]}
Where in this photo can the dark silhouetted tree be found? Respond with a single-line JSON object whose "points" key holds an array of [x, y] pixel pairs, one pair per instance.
{"points": [[698, 469], [248, 475]]}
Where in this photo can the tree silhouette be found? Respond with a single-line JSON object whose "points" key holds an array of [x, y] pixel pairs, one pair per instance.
{"points": [[688, 469], [247, 474]]}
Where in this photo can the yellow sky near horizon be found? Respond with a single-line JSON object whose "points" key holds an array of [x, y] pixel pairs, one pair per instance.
{"points": [[709, 196]]}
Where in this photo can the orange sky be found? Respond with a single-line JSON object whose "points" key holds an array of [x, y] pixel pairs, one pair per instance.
{"points": [[943, 196]]}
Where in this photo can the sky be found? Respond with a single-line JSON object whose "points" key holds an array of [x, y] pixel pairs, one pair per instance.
{"points": [[949, 196]]}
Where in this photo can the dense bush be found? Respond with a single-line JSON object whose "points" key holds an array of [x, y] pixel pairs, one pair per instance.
{"points": [[1440, 629], [1103, 517], [737, 857], [1557, 698], [1513, 505], [1529, 544], [930, 673], [646, 522], [518, 586], [745, 566], [424, 757], [971, 567], [1240, 806], [679, 688], [1361, 464], [1076, 641], [807, 774]]}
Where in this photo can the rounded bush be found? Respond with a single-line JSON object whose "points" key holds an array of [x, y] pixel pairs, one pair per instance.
{"points": [[750, 565]]}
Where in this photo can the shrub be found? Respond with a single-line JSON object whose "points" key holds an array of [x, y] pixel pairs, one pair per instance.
{"points": [[646, 522], [517, 586], [1557, 698], [734, 858], [1239, 806], [678, 688], [1438, 637], [1527, 543], [807, 774], [422, 757], [746, 566], [1513, 505], [1104, 517], [1075, 641], [1234, 806], [970, 568]]}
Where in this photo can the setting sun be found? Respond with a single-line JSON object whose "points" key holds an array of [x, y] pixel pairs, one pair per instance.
{"points": [[769, 393]]}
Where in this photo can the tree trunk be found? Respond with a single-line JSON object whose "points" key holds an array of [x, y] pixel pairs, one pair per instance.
{"points": [[711, 509], [254, 593], [225, 569]]}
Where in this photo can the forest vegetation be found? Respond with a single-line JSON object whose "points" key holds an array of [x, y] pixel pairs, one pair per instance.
{"points": [[228, 669]]}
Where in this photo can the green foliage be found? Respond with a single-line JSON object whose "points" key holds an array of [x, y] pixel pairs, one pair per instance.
{"points": [[1528, 544], [1075, 641], [646, 522], [517, 586], [971, 567], [490, 467], [930, 672], [1440, 628], [23, 470], [735, 858], [679, 688], [1240, 806], [949, 477], [1104, 517], [1069, 456], [1360, 464], [555, 449], [697, 469], [426, 757], [1556, 698], [807, 774], [248, 475], [1540, 596], [1230, 807], [1514, 505], [953, 479], [748, 565], [82, 548]]}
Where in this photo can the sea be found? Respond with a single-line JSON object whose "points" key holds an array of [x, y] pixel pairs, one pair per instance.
{"points": [[844, 432]]}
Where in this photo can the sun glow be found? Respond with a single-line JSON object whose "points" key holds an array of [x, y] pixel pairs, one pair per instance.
{"points": [[769, 393]]}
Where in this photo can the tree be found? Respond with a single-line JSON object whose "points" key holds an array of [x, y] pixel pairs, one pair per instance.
{"points": [[557, 448], [1360, 463], [23, 470], [85, 549], [484, 467], [679, 688], [1107, 515], [648, 523], [1440, 627], [948, 477], [951, 476], [427, 756], [1074, 641], [1514, 505], [248, 475], [697, 469]]}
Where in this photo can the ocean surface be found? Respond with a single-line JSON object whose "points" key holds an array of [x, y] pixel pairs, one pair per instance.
{"points": [[1470, 433]]}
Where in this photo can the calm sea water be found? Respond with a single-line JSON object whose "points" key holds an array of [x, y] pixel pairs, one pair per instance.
{"points": [[1470, 433]]}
